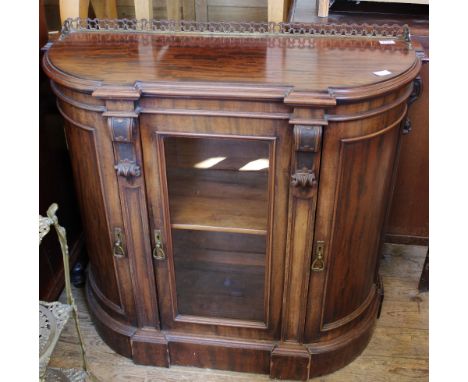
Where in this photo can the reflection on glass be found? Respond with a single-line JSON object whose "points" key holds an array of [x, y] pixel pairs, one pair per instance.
{"points": [[256, 165], [218, 203], [210, 162]]}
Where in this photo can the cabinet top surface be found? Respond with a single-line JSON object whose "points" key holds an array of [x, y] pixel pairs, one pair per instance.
{"points": [[305, 64]]}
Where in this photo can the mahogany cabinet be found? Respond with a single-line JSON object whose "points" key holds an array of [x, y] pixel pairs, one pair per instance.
{"points": [[233, 181]]}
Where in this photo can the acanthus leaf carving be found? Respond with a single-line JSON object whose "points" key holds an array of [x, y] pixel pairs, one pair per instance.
{"points": [[303, 179], [127, 168]]}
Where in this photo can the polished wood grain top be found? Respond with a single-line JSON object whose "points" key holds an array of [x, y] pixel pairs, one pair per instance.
{"points": [[304, 64]]}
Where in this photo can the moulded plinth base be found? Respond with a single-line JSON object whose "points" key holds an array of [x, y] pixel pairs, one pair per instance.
{"points": [[279, 360]]}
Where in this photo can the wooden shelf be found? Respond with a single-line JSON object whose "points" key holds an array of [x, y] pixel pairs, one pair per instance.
{"points": [[236, 204], [199, 227], [218, 214], [219, 257], [219, 248]]}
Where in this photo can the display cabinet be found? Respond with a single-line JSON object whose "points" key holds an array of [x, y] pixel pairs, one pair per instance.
{"points": [[233, 181]]}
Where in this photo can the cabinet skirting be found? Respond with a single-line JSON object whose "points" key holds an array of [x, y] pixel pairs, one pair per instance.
{"points": [[247, 355]]}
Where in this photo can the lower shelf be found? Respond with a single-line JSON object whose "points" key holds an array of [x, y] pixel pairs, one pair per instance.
{"points": [[218, 293], [220, 275]]}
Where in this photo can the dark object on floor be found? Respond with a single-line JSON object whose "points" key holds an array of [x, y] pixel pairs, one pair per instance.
{"points": [[424, 280], [78, 276]]}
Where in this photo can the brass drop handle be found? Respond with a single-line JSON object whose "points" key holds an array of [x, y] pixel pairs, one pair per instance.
{"points": [[318, 263], [117, 249], [158, 251]]}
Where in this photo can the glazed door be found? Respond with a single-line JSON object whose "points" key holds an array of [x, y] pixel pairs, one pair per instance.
{"points": [[217, 246]]}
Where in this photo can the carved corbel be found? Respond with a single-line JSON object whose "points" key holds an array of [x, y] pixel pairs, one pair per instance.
{"points": [[123, 136], [415, 94], [306, 143]]}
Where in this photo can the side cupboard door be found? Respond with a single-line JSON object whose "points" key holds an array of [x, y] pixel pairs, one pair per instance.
{"points": [[217, 196], [358, 161]]}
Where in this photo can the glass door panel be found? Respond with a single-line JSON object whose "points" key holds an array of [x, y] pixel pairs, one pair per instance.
{"points": [[218, 192]]}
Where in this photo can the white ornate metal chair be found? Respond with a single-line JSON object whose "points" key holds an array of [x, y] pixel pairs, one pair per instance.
{"points": [[54, 315]]}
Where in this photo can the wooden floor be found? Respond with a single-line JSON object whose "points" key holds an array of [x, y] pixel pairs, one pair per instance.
{"points": [[398, 350]]}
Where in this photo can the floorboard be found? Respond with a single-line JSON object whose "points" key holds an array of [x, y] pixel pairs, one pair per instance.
{"points": [[398, 351]]}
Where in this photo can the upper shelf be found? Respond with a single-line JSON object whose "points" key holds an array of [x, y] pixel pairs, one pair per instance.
{"points": [[219, 201], [299, 57]]}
